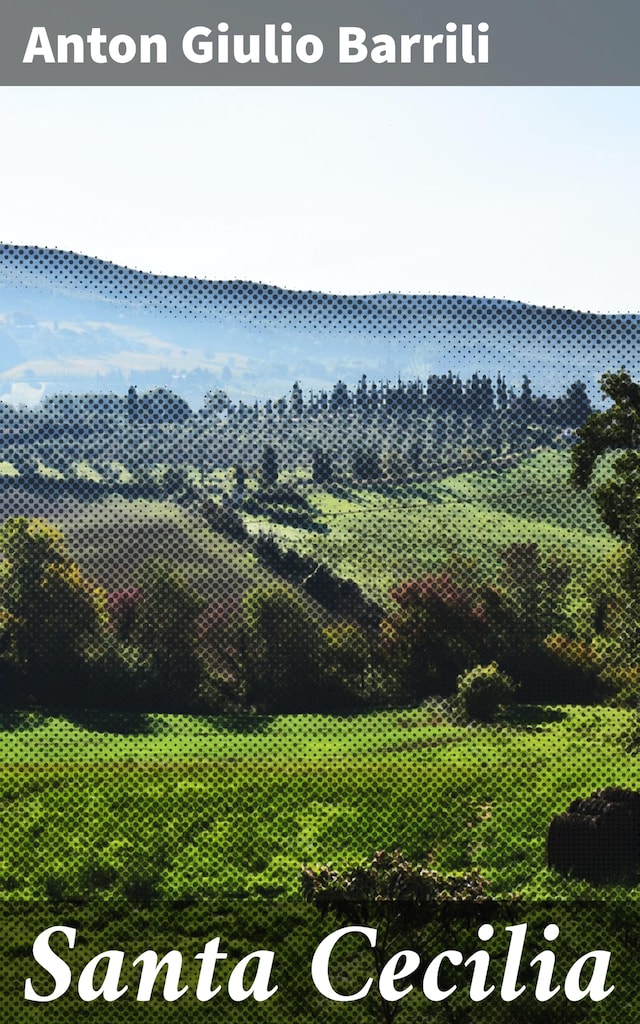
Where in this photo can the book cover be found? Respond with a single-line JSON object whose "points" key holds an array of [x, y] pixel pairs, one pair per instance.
{"points": [[319, 418]]}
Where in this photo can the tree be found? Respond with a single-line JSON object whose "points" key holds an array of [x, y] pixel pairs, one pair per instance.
{"points": [[133, 405], [575, 406], [365, 464], [287, 653], [528, 606], [269, 467], [532, 589], [322, 466], [436, 631], [350, 655], [239, 485], [340, 400], [123, 608], [163, 406], [216, 403], [297, 401], [50, 612], [614, 429], [166, 628]]}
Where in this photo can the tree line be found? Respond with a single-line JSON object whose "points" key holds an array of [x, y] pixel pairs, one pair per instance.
{"points": [[310, 644], [377, 429]]}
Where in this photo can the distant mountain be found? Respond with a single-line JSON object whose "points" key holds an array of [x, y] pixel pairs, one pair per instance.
{"points": [[73, 324]]}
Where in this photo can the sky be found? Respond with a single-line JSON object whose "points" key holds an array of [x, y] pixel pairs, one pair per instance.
{"points": [[528, 194]]}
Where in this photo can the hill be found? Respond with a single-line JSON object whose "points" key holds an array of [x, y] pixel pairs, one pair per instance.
{"points": [[379, 538], [112, 540], [375, 536], [71, 323]]}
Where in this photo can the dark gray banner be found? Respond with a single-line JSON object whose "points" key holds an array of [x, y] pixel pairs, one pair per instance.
{"points": [[320, 42]]}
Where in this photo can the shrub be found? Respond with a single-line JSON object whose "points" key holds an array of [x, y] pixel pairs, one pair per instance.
{"points": [[401, 900], [483, 690], [224, 520], [390, 890]]}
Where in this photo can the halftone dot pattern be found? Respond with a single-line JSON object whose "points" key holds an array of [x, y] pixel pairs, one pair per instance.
{"points": [[272, 631], [257, 304]]}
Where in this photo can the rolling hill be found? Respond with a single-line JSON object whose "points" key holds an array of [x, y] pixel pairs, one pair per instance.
{"points": [[71, 323]]}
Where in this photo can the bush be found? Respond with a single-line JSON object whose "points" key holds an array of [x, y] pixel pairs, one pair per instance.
{"points": [[483, 690], [224, 520], [403, 901]]}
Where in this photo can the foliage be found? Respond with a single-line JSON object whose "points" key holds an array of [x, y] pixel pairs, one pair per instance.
{"points": [[397, 897], [528, 604], [166, 629], [436, 632], [286, 651], [322, 468], [484, 690], [223, 519], [532, 587], [614, 429], [365, 464], [597, 668], [50, 612], [389, 889], [350, 655], [123, 608], [294, 663], [314, 643], [269, 466], [447, 623], [341, 598]]}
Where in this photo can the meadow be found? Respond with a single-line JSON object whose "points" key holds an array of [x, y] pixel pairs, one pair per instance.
{"points": [[181, 807], [378, 537], [164, 831], [375, 536]]}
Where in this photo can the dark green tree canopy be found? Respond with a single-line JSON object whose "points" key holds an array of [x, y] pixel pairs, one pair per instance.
{"points": [[616, 428]]}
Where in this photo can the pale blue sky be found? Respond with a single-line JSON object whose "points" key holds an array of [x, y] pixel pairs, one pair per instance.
{"points": [[527, 194]]}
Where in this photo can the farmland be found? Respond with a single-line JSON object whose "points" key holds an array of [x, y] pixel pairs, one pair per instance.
{"points": [[377, 538], [157, 830], [142, 816], [373, 536], [175, 807]]}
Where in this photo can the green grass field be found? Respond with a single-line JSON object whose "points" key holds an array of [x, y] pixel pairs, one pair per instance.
{"points": [[184, 807], [372, 537], [115, 832], [378, 539]]}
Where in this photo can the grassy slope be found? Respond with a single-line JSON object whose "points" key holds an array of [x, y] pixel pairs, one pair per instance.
{"points": [[374, 538], [112, 539], [378, 540], [194, 806]]}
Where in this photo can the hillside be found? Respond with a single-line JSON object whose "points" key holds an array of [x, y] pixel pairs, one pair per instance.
{"points": [[71, 323], [374, 536], [114, 538], [377, 539]]}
